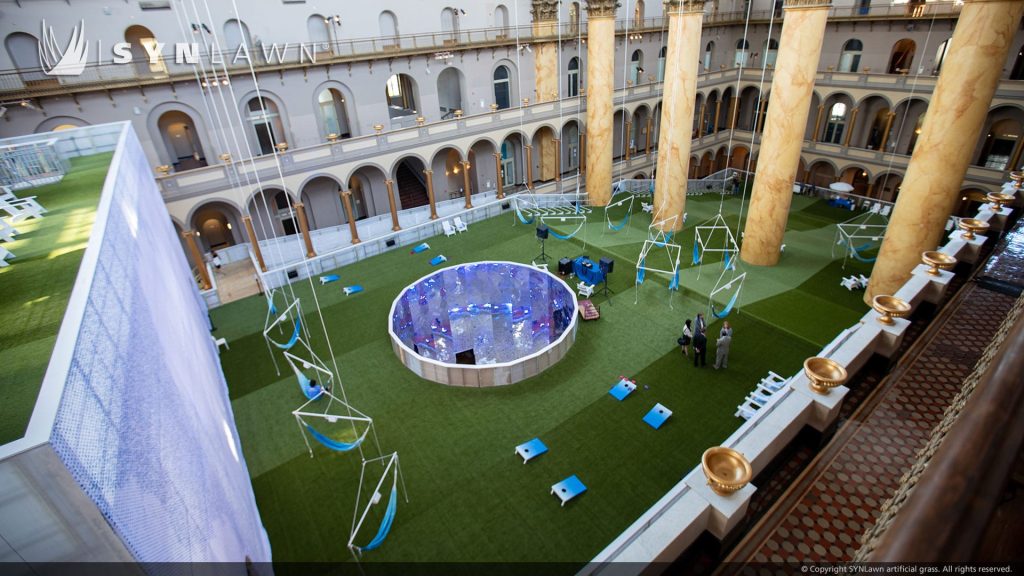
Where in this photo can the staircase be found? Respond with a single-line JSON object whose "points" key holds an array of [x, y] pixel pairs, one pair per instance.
{"points": [[412, 190]]}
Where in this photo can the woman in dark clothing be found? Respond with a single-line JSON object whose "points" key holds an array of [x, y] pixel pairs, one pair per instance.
{"points": [[686, 338]]}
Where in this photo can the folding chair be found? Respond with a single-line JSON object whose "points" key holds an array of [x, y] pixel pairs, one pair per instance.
{"points": [[530, 450], [568, 489]]}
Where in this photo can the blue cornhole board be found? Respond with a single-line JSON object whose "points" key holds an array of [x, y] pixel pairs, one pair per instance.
{"points": [[530, 450], [328, 279], [657, 416], [437, 260], [420, 248], [622, 389], [349, 290], [568, 489]]}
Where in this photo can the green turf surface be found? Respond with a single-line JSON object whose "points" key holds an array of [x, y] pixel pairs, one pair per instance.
{"points": [[37, 284], [471, 498]]}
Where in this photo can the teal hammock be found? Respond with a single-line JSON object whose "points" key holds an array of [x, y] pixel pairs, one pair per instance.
{"points": [[668, 238], [385, 525], [295, 336], [696, 253], [855, 252], [561, 237], [310, 392], [334, 444], [620, 225], [522, 218], [640, 272], [674, 284], [728, 307]]}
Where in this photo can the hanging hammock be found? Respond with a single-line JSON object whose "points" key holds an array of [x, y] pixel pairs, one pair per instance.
{"points": [[696, 253], [311, 392], [385, 525], [674, 284], [620, 225], [641, 272], [335, 445], [857, 256], [568, 236], [668, 238], [522, 218], [295, 337], [728, 307]]}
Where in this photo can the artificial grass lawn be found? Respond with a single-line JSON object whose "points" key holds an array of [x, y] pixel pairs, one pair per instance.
{"points": [[37, 284], [471, 498]]}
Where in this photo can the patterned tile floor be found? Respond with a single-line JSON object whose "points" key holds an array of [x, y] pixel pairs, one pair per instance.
{"points": [[826, 510]]}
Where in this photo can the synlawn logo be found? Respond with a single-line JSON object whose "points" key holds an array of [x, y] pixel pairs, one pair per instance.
{"points": [[71, 60]]}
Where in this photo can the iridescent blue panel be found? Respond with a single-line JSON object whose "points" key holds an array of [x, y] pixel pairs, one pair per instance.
{"points": [[500, 310]]}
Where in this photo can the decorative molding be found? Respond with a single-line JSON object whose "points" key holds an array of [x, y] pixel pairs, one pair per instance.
{"points": [[544, 10], [602, 8], [684, 6], [808, 4]]}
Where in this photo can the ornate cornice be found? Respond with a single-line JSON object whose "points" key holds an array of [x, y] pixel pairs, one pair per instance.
{"points": [[807, 4], [601, 8], [544, 10], [684, 6]]}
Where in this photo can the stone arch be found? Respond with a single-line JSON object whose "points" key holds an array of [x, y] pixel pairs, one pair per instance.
{"points": [[544, 154], [187, 116], [887, 186], [481, 157], [272, 209], [822, 173], [369, 193], [343, 113], [320, 194], [219, 223], [266, 125], [448, 177], [56, 123], [410, 186]]}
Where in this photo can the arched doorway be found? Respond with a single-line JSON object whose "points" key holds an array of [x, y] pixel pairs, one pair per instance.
{"points": [[902, 56], [236, 38], [837, 113], [742, 53], [887, 187], [481, 155], [388, 23], [822, 174], [321, 197], [331, 105], [218, 224], [709, 52], [857, 177], [401, 96], [448, 176], [411, 184], [771, 52], [570, 147], [273, 213], [573, 88], [267, 129], [502, 87], [181, 139], [143, 42], [318, 30], [1000, 142], [544, 169], [449, 91], [512, 173], [636, 66], [1017, 73]]}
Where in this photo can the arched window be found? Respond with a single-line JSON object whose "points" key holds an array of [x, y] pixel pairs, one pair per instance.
{"points": [[143, 43], [849, 60], [266, 123], [940, 55], [236, 35], [902, 56], [709, 51], [638, 13], [400, 92], [333, 113], [450, 22], [742, 52], [501, 19], [636, 66], [319, 30], [24, 52], [388, 26], [662, 54], [771, 52], [502, 88], [574, 78], [574, 18], [836, 123]]}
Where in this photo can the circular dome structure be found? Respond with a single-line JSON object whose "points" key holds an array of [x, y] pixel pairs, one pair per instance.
{"points": [[483, 324]]}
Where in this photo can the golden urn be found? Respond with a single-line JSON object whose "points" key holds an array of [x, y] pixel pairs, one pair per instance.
{"points": [[1000, 199], [163, 169], [1018, 179], [937, 260], [281, 146], [890, 307], [970, 226], [824, 374], [726, 470]]}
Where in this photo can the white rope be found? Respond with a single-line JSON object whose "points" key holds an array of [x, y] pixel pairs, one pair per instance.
{"points": [[519, 89]]}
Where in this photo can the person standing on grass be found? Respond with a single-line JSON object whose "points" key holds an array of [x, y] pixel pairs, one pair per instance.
{"points": [[686, 338], [700, 349], [722, 349], [726, 329], [699, 325]]}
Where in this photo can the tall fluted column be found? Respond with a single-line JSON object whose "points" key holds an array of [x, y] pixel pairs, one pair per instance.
{"points": [[390, 184], [600, 80], [817, 123], [956, 115], [346, 202], [851, 127], [885, 134], [680, 93], [254, 242], [803, 29], [465, 183], [545, 66], [197, 258], [497, 172], [428, 175], [300, 212]]}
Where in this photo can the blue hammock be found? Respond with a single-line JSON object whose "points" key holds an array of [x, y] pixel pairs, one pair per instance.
{"points": [[728, 307], [640, 272], [523, 219], [385, 525], [620, 225], [853, 252], [334, 444], [295, 336], [674, 284], [668, 238], [696, 253], [311, 392], [561, 237]]}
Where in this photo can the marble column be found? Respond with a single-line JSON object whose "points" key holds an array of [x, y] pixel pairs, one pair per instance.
{"points": [[465, 183], [680, 93], [390, 184], [888, 126], [583, 153], [300, 212], [545, 53], [600, 105], [529, 166], [761, 115], [956, 116], [700, 119], [500, 186], [346, 202], [428, 175], [197, 259], [817, 123], [851, 127], [718, 112], [254, 243], [735, 112], [627, 138], [558, 159], [803, 30]]}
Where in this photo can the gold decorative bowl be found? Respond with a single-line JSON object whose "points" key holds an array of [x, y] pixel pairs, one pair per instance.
{"points": [[281, 146], [163, 169], [1000, 199], [970, 226], [890, 307], [1018, 179], [225, 157], [937, 260], [824, 374], [332, 137], [726, 470]]}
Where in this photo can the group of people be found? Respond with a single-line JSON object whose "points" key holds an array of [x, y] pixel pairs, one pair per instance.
{"points": [[696, 334]]}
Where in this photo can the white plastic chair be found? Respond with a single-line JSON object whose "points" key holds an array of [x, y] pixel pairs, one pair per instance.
{"points": [[449, 230], [747, 410], [647, 207], [584, 289], [221, 342], [4, 255], [850, 283], [460, 225], [7, 232], [863, 281], [19, 211]]}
